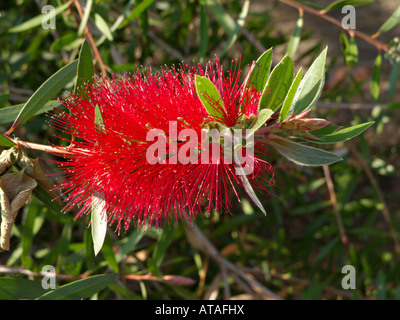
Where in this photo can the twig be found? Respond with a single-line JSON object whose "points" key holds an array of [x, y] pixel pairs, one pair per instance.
{"points": [[332, 196], [91, 40], [200, 241], [321, 14], [39, 147]]}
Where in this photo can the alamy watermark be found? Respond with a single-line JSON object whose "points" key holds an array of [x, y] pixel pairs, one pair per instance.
{"points": [[349, 280], [49, 20], [49, 277], [349, 20]]}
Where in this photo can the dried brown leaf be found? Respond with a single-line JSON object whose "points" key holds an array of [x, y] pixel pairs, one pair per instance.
{"points": [[5, 160], [15, 191]]}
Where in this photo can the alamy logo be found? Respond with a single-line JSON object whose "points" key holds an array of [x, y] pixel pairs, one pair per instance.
{"points": [[349, 280], [49, 20], [349, 20], [49, 277]]}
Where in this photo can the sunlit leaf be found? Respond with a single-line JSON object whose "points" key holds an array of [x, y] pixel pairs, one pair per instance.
{"points": [[278, 85]]}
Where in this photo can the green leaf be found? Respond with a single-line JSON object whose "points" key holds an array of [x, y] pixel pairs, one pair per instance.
{"points": [[324, 131], [80, 289], [376, 78], [311, 86], [136, 12], [240, 171], [109, 255], [209, 96], [98, 222], [66, 42], [8, 114], [221, 16], [295, 38], [239, 24], [341, 3], [12, 289], [46, 91], [262, 117], [390, 23], [98, 118], [260, 71], [278, 85], [249, 189], [5, 142], [85, 71], [85, 17], [349, 49], [103, 26], [302, 154], [37, 21], [163, 243], [345, 134], [118, 21], [290, 96]]}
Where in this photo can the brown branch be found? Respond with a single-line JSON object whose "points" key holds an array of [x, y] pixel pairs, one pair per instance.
{"points": [[321, 14], [91, 40], [40, 147], [197, 238]]}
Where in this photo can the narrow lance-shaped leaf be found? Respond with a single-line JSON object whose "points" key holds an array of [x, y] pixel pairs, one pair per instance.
{"points": [[376, 78], [99, 215], [98, 118], [98, 222], [46, 91], [278, 85], [311, 86], [37, 21], [349, 49], [341, 3], [85, 71], [290, 96], [103, 26], [239, 24], [390, 23], [259, 73], [295, 38], [345, 134], [136, 12], [8, 114], [209, 96], [80, 289], [302, 154], [221, 16], [240, 171], [67, 42]]}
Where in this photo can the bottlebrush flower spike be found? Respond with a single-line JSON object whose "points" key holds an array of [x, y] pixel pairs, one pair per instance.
{"points": [[113, 161]]}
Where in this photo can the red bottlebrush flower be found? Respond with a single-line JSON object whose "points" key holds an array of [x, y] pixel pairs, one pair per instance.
{"points": [[111, 160]]}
